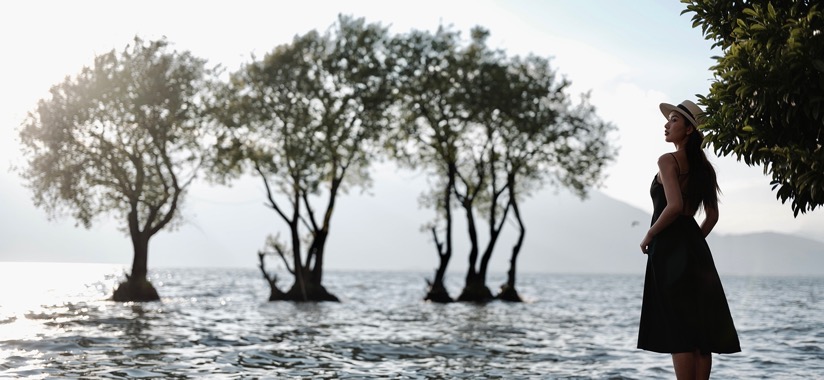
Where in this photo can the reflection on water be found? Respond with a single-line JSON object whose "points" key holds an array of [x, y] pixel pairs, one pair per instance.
{"points": [[31, 291], [55, 321]]}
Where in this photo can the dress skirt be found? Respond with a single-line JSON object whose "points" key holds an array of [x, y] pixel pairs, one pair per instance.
{"points": [[684, 306]]}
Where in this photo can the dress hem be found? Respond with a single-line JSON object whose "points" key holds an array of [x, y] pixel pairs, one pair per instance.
{"points": [[721, 352]]}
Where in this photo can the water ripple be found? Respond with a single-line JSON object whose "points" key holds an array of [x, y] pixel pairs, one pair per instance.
{"points": [[216, 323]]}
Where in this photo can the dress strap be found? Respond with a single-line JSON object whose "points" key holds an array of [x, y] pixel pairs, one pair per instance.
{"points": [[681, 177], [677, 164]]}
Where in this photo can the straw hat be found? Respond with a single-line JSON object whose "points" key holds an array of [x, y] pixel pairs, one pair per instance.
{"points": [[688, 109]]}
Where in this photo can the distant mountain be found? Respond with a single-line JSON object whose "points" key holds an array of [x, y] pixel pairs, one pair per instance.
{"points": [[768, 253], [602, 235], [564, 235], [598, 235], [383, 231]]}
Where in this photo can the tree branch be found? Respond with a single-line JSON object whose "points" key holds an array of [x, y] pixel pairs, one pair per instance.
{"points": [[269, 196]]}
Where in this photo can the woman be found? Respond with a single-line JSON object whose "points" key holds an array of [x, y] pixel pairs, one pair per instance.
{"points": [[684, 311]]}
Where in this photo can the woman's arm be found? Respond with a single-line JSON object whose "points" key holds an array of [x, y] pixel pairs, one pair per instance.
{"points": [[710, 220], [668, 174]]}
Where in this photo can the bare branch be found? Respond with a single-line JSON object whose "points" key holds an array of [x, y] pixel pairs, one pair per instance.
{"points": [[271, 279], [269, 196], [282, 255], [438, 243]]}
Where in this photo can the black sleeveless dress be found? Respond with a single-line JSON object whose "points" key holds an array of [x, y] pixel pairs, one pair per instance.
{"points": [[684, 307]]}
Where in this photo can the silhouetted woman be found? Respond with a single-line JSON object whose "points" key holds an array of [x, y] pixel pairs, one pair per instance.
{"points": [[684, 311]]}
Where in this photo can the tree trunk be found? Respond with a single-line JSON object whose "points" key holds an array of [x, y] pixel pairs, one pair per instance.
{"points": [[508, 291], [437, 291], [137, 287], [473, 241], [317, 268], [480, 292], [475, 290]]}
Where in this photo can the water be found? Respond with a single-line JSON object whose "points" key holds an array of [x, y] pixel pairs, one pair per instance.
{"points": [[55, 322]]}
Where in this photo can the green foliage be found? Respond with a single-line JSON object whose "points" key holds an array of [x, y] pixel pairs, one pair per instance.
{"points": [[490, 128], [308, 112], [432, 92], [766, 105], [490, 116], [123, 137], [546, 136], [307, 118]]}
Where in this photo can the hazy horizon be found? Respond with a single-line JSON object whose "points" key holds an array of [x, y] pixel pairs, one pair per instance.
{"points": [[629, 56]]}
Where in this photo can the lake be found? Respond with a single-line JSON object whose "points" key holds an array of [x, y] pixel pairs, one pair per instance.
{"points": [[55, 322]]}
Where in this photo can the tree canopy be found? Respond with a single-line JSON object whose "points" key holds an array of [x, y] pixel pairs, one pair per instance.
{"points": [[766, 104], [306, 118], [124, 138], [490, 128], [129, 135]]}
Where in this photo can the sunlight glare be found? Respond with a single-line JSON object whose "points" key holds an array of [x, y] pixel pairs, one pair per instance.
{"points": [[30, 292]]}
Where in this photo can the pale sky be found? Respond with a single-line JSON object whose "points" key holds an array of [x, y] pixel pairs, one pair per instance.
{"points": [[631, 55]]}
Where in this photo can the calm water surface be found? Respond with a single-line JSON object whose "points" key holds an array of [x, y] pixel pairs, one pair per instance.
{"points": [[55, 322]]}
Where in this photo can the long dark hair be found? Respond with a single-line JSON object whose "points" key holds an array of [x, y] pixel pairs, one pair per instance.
{"points": [[702, 187]]}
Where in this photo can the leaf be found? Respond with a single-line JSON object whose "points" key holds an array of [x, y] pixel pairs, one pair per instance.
{"points": [[819, 65]]}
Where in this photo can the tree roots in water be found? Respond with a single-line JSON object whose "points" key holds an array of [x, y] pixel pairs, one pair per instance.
{"points": [[314, 293], [476, 292], [509, 293], [140, 290], [438, 294]]}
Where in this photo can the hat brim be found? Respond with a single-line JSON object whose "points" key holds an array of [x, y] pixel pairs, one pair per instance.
{"points": [[667, 108]]}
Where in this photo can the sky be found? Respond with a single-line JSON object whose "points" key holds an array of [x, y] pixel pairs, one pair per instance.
{"points": [[629, 55]]}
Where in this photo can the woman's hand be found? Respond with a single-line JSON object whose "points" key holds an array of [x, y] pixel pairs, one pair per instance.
{"points": [[645, 243]]}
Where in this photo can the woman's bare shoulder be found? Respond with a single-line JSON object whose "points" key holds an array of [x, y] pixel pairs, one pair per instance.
{"points": [[666, 160]]}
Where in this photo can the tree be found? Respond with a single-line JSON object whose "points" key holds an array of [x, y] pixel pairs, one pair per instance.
{"points": [[490, 129], [766, 104], [432, 97], [480, 187], [542, 137], [306, 119], [526, 132], [124, 137]]}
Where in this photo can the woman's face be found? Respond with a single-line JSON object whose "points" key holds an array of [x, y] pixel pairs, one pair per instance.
{"points": [[677, 129]]}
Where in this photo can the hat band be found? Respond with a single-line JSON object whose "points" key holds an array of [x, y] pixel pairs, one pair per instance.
{"points": [[682, 108]]}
